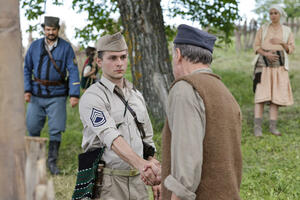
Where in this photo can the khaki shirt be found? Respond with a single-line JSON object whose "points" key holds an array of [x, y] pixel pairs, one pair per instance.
{"points": [[186, 113], [102, 115]]}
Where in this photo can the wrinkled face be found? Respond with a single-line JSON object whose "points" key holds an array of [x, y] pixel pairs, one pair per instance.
{"points": [[113, 64], [51, 33], [274, 15]]}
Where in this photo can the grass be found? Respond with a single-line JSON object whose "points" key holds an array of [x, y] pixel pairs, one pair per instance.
{"points": [[271, 165]]}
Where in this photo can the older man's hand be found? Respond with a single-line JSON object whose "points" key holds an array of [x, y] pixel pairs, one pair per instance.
{"points": [[156, 189]]}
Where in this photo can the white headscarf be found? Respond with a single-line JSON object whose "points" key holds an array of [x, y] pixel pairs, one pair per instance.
{"points": [[280, 10]]}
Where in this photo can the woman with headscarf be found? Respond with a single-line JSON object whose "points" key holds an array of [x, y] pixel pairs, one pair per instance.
{"points": [[271, 84]]}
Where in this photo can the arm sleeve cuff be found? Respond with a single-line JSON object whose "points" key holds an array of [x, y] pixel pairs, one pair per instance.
{"points": [[178, 189], [109, 138], [77, 96]]}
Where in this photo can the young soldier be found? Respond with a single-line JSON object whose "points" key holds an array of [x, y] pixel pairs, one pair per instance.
{"points": [[106, 111]]}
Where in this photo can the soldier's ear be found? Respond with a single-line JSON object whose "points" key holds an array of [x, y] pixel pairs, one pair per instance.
{"points": [[99, 62]]}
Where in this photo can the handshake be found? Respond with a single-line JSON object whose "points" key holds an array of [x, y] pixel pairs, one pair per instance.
{"points": [[151, 172]]}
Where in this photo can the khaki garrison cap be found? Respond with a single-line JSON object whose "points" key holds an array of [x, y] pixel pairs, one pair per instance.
{"points": [[115, 42]]}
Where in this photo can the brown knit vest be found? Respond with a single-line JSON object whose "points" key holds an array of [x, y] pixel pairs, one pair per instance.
{"points": [[222, 158]]}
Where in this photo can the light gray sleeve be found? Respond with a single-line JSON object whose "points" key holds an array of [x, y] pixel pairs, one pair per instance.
{"points": [[147, 124], [186, 117], [97, 122]]}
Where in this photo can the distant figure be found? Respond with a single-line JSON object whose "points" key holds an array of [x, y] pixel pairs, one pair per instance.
{"points": [[47, 86], [271, 83], [201, 140], [89, 70]]}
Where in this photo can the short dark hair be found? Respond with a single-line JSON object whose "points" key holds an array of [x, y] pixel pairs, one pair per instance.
{"points": [[194, 54], [100, 54]]}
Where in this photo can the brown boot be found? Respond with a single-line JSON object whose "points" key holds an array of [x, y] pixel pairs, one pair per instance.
{"points": [[257, 127], [273, 128]]}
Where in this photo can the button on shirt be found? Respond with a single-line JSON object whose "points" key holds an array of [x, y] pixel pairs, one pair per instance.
{"points": [[104, 118], [186, 113]]}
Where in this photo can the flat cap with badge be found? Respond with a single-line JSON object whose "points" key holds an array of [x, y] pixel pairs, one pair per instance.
{"points": [[194, 36], [115, 42]]}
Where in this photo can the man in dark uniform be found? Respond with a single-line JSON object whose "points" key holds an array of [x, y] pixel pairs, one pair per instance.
{"points": [[47, 86]]}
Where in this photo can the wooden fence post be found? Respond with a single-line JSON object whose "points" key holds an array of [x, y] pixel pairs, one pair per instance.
{"points": [[252, 33], [297, 25], [245, 35], [238, 34]]}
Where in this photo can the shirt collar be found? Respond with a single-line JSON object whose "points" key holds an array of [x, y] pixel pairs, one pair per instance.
{"points": [[203, 70], [111, 86], [51, 46]]}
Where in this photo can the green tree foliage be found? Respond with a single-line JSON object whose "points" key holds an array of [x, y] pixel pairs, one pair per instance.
{"points": [[35, 8], [100, 17], [291, 7], [216, 16]]}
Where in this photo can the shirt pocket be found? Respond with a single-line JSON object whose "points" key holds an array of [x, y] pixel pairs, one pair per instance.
{"points": [[119, 121]]}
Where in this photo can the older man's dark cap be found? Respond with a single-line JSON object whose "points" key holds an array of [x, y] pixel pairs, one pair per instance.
{"points": [[51, 21], [194, 36]]}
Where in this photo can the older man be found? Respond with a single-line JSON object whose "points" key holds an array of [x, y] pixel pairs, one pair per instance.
{"points": [[114, 116], [47, 63], [202, 135]]}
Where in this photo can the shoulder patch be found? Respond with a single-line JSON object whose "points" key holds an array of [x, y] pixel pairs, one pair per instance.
{"points": [[97, 118]]}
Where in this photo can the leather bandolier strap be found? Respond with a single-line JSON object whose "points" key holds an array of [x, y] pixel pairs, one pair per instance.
{"points": [[47, 82]]}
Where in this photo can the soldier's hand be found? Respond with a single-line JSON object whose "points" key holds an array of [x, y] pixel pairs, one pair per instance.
{"points": [[74, 101], [156, 162], [27, 96]]}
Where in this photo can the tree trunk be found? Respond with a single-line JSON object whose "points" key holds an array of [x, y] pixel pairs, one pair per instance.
{"points": [[38, 187], [12, 109], [148, 51]]}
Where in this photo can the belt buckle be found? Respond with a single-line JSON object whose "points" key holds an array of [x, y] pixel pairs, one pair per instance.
{"points": [[133, 172]]}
